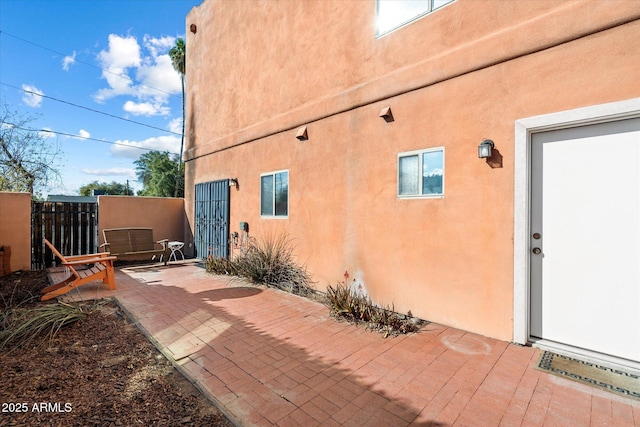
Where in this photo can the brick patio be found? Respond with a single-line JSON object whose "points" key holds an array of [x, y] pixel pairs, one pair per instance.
{"points": [[267, 358]]}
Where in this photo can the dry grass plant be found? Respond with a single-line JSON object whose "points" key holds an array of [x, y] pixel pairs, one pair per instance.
{"points": [[270, 262], [349, 303], [11, 302], [21, 326]]}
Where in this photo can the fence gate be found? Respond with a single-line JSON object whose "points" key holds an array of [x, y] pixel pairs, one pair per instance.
{"points": [[212, 219], [70, 227]]}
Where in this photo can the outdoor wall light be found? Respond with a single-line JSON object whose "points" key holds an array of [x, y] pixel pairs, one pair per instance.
{"points": [[386, 114], [485, 148], [301, 134], [233, 182], [193, 28]]}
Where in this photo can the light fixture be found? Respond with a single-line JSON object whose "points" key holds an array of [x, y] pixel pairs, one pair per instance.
{"points": [[301, 134], [485, 148], [233, 182], [386, 114], [193, 28]]}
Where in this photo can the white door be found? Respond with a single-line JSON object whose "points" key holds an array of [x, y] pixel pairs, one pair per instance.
{"points": [[585, 238]]}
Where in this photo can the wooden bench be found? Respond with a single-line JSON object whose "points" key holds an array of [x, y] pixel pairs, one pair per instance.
{"points": [[133, 244]]}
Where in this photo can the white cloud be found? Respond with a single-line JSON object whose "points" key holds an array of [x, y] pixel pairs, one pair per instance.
{"points": [[32, 96], [145, 108], [175, 125], [123, 54], [128, 172], [156, 46], [128, 149], [155, 78], [159, 78], [83, 134], [68, 60]]}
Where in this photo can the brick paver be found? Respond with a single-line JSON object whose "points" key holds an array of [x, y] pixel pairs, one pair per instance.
{"points": [[269, 358]]}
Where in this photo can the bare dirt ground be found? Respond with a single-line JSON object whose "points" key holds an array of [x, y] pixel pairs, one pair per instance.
{"points": [[99, 371]]}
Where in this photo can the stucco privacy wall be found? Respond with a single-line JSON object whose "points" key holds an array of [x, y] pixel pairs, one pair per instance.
{"points": [[448, 260], [165, 215], [15, 228]]}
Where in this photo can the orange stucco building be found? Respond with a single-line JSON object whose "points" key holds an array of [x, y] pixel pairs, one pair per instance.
{"points": [[358, 136]]}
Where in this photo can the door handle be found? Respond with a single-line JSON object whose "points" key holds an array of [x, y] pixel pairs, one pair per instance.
{"points": [[537, 251]]}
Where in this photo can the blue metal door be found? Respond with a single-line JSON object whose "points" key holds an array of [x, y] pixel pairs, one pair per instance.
{"points": [[212, 219]]}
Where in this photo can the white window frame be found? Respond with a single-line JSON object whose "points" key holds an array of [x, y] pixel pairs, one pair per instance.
{"points": [[273, 214], [419, 153], [431, 6]]}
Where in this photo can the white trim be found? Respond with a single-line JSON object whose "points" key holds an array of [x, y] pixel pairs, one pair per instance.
{"points": [[273, 174], [419, 153], [409, 21], [524, 128]]}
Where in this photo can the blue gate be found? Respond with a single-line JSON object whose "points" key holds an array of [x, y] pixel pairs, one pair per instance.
{"points": [[212, 219]]}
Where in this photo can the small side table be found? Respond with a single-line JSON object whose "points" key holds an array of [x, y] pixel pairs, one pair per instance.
{"points": [[176, 247]]}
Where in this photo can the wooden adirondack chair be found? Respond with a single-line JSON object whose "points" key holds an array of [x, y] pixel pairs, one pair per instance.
{"points": [[101, 269]]}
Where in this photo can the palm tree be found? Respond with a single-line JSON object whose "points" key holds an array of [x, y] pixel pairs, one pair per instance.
{"points": [[177, 55]]}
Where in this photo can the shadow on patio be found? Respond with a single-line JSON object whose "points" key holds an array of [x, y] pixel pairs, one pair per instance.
{"points": [[271, 358]]}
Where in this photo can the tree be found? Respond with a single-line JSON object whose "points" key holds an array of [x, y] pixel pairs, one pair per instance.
{"points": [[157, 171], [113, 188], [178, 56], [28, 159]]}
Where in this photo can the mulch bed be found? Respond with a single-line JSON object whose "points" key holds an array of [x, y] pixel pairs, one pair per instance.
{"points": [[99, 371]]}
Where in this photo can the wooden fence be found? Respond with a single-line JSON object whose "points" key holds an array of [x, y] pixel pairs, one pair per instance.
{"points": [[71, 227]]}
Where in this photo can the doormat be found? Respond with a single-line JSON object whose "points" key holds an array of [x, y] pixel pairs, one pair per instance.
{"points": [[613, 380]]}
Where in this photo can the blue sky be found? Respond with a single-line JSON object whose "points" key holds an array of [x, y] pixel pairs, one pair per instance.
{"points": [[104, 55]]}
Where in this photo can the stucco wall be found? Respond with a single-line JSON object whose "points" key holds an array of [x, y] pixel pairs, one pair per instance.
{"points": [[164, 215], [451, 80], [15, 228]]}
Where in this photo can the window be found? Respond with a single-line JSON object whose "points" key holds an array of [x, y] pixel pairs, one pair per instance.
{"points": [[392, 14], [274, 194], [421, 173]]}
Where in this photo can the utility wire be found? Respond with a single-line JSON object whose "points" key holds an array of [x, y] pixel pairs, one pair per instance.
{"points": [[81, 137], [89, 109], [83, 62]]}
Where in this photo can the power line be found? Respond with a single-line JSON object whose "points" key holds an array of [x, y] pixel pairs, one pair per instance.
{"points": [[85, 63], [89, 109], [81, 137]]}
